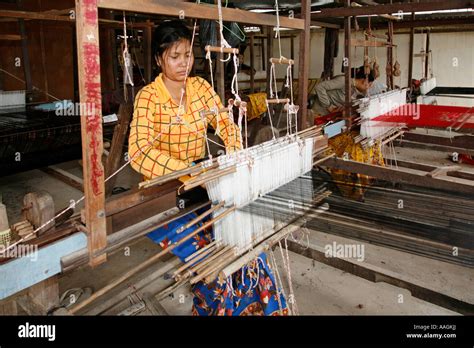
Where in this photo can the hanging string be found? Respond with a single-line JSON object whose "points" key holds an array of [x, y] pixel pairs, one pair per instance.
{"points": [[34, 87], [277, 35], [279, 284], [126, 59]]}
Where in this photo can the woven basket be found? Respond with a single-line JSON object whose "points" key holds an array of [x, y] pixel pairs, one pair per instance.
{"points": [[5, 237]]}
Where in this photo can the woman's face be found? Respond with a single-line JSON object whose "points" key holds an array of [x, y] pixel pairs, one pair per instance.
{"points": [[362, 85], [174, 60]]}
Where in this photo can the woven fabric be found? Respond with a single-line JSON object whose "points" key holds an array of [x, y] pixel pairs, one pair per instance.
{"points": [[257, 105], [160, 142], [249, 291]]}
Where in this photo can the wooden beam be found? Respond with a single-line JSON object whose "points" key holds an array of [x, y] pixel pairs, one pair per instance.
{"points": [[347, 69], [369, 43], [269, 53], [118, 141], [390, 55], [393, 8], [252, 64], [26, 55], [303, 67], [87, 26], [34, 15], [386, 16], [10, 37], [401, 175], [45, 294], [410, 55], [10, 15], [149, 60], [420, 23], [199, 11], [325, 25], [427, 58], [8, 308], [65, 177]]}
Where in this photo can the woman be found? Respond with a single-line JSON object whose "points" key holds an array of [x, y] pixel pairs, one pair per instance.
{"points": [[168, 134], [331, 96]]}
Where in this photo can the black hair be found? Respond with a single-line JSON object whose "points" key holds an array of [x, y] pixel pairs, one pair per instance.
{"points": [[167, 34], [359, 73]]}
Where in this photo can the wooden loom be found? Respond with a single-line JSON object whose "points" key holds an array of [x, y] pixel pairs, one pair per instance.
{"points": [[99, 213]]}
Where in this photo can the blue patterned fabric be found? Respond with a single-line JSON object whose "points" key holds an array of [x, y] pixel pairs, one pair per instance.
{"points": [[249, 291]]}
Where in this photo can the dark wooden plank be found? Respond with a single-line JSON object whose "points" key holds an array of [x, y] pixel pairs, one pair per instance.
{"points": [[393, 8], [116, 148], [65, 177], [143, 211], [129, 199], [401, 175], [347, 69], [304, 60], [252, 64], [410, 54]]}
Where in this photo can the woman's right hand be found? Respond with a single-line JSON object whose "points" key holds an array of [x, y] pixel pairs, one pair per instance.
{"points": [[333, 108]]}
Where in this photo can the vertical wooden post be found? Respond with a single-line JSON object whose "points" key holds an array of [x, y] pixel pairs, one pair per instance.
{"points": [[410, 53], [116, 149], [87, 27], [8, 308], [427, 58], [269, 54], [45, 294], [252, 64], [347, 68], [26, 55], [303, 67], [148, 33], [292, 49], [390, 55]]}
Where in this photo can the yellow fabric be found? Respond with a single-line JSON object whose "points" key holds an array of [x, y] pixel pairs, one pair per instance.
{"points": [[159, 144], [353, 185], [257, 105]]}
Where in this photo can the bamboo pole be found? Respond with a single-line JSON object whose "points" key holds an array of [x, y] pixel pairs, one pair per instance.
{"points": [[282, 60], [278, 101], [222, 49]]}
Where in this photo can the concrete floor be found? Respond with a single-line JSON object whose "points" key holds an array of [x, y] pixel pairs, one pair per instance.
{"points": [[319, 289]]}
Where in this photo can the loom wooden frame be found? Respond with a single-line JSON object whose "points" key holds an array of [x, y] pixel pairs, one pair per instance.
{"points": [[87, 28]]}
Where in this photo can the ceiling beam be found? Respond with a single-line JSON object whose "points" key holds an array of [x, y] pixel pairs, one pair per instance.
{"points": [[326, 25], [200, 11], [34, 15], [393, 8], [420, 23]]}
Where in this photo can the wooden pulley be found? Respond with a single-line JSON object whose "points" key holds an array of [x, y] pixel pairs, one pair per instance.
{"points": [[38, 209], [366, 65], [376, 68], [396, 69]]}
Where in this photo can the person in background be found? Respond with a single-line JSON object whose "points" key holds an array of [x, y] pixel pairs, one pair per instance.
{"points": [[330, 95], [376, 87]]}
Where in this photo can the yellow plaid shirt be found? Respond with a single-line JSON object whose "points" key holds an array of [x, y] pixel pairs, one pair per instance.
{"points": [[159, 144]]}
